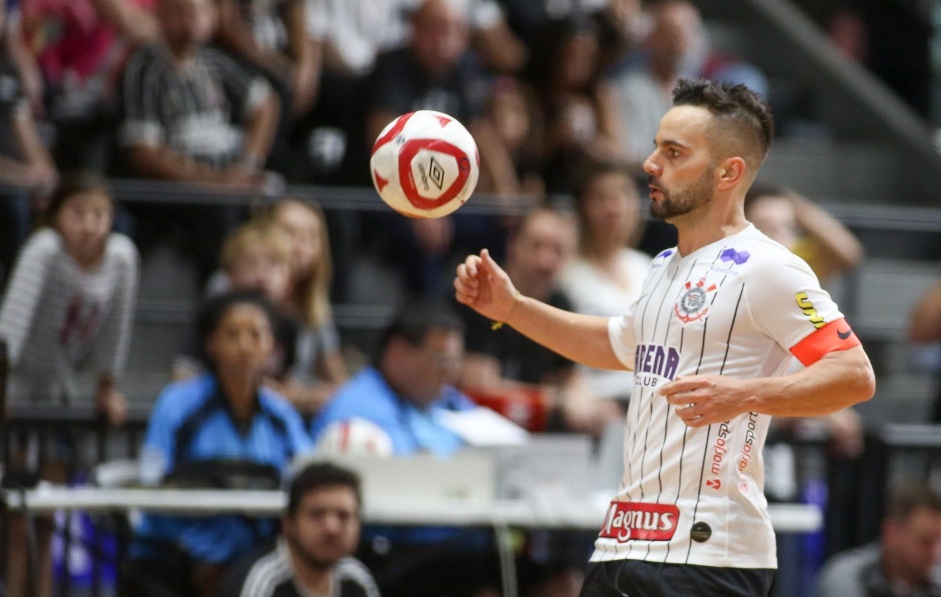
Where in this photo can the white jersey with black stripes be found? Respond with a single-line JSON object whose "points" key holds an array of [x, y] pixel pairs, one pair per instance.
{"points": [[738, 307]]}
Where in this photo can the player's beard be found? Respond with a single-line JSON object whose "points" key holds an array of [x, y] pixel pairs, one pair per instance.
{"points": [[683, 201]]}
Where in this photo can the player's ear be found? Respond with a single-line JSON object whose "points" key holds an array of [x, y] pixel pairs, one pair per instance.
{"points": [[731, 172]]}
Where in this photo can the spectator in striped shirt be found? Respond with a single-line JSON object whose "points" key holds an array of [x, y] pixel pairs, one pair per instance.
{"points": [[193, 115], [313, 557], [71, 299], [69, 304]]}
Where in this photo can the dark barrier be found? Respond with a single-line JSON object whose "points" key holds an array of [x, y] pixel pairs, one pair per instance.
{"points": [[91, 441]]}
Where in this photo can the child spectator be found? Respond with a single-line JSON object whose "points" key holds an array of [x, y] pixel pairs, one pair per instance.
{"points": [[71, 300], [256, 257], [318, 360], [260, 255], [69, 305]]}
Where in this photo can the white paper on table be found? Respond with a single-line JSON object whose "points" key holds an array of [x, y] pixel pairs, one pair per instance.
{"points": [[481, 427]]}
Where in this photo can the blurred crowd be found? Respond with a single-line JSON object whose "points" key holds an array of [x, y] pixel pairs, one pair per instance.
{"points": [[563, 98]]}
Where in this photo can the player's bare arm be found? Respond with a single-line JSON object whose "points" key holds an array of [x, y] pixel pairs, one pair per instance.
{"points": [[483, 285], [838, 380]]}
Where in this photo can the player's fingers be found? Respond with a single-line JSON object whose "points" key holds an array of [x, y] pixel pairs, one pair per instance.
{"points": [[696, 422], [487, 263], [697, 396], [467, 275], [684, 384], [462, 288], [471, 265]]}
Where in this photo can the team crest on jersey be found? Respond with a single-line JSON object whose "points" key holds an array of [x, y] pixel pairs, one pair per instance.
{"points": [[694, 304]]}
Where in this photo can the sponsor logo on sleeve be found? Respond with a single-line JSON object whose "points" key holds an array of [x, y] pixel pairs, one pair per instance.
{"points": [[627, 521], [808, 308]]}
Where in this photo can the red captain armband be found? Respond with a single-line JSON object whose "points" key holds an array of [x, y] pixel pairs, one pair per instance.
{"points": [[836, 335]]}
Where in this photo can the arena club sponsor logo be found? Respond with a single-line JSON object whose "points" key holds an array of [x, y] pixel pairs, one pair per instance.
{"points": [[628, 521], [653, 362], [749, 445]]}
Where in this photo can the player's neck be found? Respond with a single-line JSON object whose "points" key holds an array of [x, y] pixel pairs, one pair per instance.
{"points": [[693, 235]]}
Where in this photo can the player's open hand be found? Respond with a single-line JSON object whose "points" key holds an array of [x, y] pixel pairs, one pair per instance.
{"points": [[483, 285], [702, 400]]}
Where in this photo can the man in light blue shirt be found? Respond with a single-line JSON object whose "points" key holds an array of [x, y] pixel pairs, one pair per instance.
{"points": [[404, 393], [418, 358]]}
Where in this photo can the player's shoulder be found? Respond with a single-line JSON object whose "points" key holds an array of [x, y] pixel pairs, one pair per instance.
{"points": [[755, 252]]}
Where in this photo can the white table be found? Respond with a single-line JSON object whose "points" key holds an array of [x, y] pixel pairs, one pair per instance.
{"points": [[547, 513], [535, 513]]}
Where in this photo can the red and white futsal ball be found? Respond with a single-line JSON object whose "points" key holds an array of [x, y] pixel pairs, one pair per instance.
{"points": [[425, 164]]}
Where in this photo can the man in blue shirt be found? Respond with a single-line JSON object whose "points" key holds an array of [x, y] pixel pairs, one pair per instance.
{"points": [[404, 393], [418, 358]]}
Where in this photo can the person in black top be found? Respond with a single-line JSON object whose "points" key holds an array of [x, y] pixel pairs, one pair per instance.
{"points": [[320, 530], [502, 361]]}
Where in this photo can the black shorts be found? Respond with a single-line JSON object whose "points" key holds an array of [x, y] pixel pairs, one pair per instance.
{"points": [[634, 578]]}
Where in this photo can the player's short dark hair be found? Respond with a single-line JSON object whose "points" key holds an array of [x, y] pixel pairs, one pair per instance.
{"points": [[415, 319], [215, 308], [74, 183], [910, 496], [738, 109], [321, 475]]}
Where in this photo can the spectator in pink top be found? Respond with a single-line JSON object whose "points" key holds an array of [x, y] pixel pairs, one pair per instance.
{"points": [[79, 48]]}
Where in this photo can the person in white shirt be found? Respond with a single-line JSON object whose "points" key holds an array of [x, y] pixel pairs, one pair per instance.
{"points": [[607, 273], [709, 340]]}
